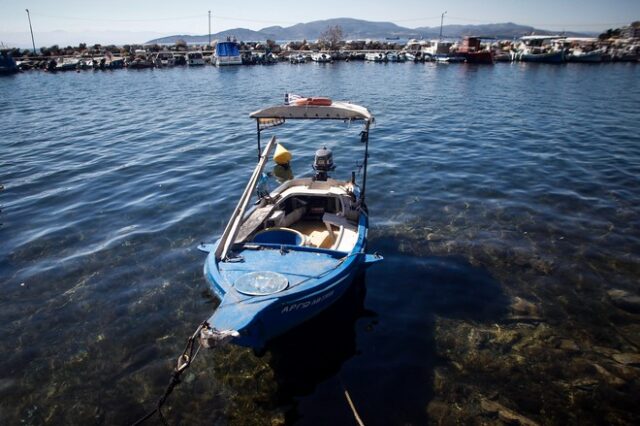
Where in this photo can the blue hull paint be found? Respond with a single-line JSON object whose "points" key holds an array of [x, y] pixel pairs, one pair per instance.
{"points": [[547, 58], [318, 278]]}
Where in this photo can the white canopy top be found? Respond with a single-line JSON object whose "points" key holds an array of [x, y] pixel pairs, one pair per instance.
{"points": [[338, 110], [583, 39], [541, 37]]}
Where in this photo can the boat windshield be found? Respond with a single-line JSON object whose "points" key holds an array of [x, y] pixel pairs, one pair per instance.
{"points": [[227, 49]]}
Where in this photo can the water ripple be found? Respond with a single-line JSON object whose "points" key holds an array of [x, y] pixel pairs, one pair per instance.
{"points": [[514, 180]]}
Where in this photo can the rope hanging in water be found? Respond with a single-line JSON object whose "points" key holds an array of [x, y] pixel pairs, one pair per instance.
{"points": [[184, 361], [356, 416], [353, 408]]}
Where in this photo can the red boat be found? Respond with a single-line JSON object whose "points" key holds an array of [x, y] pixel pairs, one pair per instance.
{"points": [[471, 50]]}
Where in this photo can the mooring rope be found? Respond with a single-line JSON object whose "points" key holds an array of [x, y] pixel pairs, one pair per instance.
{"points": [[184, 361], [356, 416]]}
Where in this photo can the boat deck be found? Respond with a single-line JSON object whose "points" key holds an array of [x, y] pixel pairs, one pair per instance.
{"points": [[299, 267]]}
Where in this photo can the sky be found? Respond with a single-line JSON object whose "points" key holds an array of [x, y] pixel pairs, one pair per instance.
{"points": [[134, 21]]}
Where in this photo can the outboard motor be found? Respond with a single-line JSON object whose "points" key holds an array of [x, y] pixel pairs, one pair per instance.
{"points": [[323, 163]]}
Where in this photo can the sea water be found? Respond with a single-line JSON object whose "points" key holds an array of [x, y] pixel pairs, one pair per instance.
{"points": [[505, 200]]}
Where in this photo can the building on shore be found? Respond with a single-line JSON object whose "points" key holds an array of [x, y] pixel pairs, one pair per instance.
{"points": [[631, 31]]}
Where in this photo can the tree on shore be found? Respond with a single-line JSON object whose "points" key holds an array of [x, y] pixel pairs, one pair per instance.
{"points": [[331, 37], [610, 33]]}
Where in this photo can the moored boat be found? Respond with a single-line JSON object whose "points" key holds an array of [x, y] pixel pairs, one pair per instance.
{"points": [[67, 64], [449, 59], [375, 57], [579, 55], [298, 250], [556, 57], [321, 57], [472, 51], [227, 53], [410, 57], [538, 49], [86, 63], [164, 59], [7, 63], [297, 58], [140, 60], [195, 59], [395, 57]]}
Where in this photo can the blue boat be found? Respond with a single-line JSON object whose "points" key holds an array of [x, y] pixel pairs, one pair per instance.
{"points": [[7, 63], [300, 246], [227, 53]]}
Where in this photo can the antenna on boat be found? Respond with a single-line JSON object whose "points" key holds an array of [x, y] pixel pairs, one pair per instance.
{"points": [[209, 29], [31, 29], [441, 21], [364, 137]]}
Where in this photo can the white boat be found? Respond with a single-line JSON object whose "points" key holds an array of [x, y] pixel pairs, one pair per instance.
{"points": [[375, 57], [195, 59], [298, 59], [109, 62], [538, 49], [321, 58], [438, 47], [227, 53], [410, 56], [395, 57], [579, 55], [164, 59], [582, 49], [86, 64], [67, 64], [449, 59]]}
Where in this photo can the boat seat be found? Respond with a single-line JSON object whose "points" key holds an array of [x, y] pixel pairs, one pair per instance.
{"points": [[293, 217], [337, 220], [320, 239], [275, 219], [346, 233]]}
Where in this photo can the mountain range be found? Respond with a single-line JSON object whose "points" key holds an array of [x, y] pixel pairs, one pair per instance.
{"points": [[357, 29]]}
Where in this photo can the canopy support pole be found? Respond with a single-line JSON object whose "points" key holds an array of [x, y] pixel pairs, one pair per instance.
{"points": [[365, 136], [258, 124]]}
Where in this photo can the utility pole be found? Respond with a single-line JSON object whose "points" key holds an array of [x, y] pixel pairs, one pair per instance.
{"points": [[441, 21], [31, 28], [209, 28]]}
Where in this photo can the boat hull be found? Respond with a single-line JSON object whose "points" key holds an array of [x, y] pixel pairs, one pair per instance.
{"points": [[8, 70], [222, 61], [547, 58], [449, 59], [280, 317], [478, 57], [317, 279], [8, 65], [585, 57]]}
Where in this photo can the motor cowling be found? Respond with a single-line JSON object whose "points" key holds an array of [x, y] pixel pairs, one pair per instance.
{"points": [[323, 163]]}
